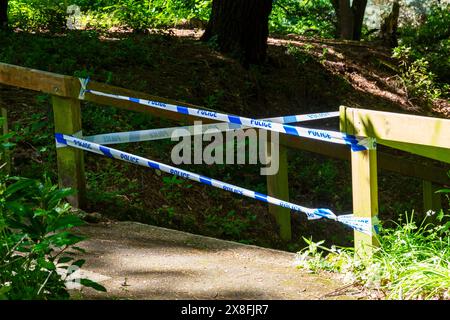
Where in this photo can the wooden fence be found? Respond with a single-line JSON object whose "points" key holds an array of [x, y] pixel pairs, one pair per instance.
{"points": [[425, 136]]}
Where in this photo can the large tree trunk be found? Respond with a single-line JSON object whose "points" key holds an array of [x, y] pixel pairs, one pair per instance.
{"points": [[390, 25], [344, 18], [3, 14], [358, 8], [241, 28], [349, 18]]}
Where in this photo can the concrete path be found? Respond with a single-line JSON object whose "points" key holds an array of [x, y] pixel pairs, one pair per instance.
{"points": [[137, 261]]}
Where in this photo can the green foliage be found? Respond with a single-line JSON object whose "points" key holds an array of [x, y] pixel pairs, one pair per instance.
{"points": [[35, 240], [323, 181], [412, 262], [34, 133], [288, 16], [303, 17], [38, 14], [5, 146], [168, 212], [137, 14], [431, 41], [301, 54], [213, 42], [418, 80], [231, 225], [213, 101], [173, 186]]}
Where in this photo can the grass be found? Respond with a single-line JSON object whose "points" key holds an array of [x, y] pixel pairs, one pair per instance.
{"points": [[412, 262]]}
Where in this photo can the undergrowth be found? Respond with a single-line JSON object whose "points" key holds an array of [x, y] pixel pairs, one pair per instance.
{"points": [[38, 249], [412, 262]]}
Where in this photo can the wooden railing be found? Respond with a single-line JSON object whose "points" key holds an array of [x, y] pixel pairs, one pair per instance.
{"points": [[429, 137]]}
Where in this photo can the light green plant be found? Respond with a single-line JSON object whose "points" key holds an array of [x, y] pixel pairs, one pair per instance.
{"points": [[418, 80], [412, 262], [36, 241]]}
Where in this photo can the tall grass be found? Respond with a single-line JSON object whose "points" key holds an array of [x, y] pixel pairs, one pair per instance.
{"points": [[412, 262]]}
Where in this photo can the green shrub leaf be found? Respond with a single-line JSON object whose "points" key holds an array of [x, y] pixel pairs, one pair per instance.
{"points": [[92, 284]]}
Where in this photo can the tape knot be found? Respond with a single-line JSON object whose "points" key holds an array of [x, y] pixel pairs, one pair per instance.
{"points": [[84, 82]]}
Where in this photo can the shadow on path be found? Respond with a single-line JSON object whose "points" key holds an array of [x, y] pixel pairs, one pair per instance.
{"points": [[146, 262]]}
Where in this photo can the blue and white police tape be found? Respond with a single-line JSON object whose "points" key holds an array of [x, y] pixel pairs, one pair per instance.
{"points": [[356, 223], [304, 117], [176, 132], [360, 224], [158, 134], [356, 143]]}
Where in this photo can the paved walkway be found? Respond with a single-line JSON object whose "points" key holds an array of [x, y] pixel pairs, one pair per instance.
{"points": [[137, 261]]}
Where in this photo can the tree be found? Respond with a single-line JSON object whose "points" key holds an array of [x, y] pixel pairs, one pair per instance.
{"points": [[3, 14], [389, 26], [350, 18], [241, 28]]}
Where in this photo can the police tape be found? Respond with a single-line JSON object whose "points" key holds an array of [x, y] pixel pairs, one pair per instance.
{"points": [[355, 143], [304, 117], [177, 132], [363, 225], [158, 134]]}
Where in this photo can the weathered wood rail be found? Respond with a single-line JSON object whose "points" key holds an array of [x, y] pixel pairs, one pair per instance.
{"points": [[425, 136]]}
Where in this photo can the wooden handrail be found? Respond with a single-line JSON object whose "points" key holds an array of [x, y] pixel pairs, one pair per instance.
{"points": [[67, 110], [425, 136], [69, 87]]}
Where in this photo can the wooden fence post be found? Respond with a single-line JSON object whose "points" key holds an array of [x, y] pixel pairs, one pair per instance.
{"points": [[364, 186], [278, 187], [67, 114], [431, 200], [6, 157]]}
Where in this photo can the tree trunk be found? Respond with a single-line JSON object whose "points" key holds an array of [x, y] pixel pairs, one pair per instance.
{"points": [[349, 18], [358, 8], [3, 14], [345, 20], [241, 28], [390, 25]]}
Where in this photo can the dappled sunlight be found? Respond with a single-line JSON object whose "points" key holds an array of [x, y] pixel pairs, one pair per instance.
{"points": [[148, 262], [356, 63]]}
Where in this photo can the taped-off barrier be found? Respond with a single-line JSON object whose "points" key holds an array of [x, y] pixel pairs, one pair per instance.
{"points": [[360, 224], [176, 132], [355, 143]]}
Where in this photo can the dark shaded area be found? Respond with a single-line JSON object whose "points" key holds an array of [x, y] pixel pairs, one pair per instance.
{"points": [[240, 27], [350, 16], [3, 14]]}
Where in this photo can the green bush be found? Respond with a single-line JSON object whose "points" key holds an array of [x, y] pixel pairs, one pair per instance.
{"points": [[141, 14], [137, 14], [38, 14], [36, 242], [431, 42], [412, 262], [288, 16], [303, 17], [419, 81]]}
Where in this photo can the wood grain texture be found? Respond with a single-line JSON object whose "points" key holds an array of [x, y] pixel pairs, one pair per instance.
{"points": [[431, 199], [70, 161], [278, 187], [364, 186], [425, 136]]}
